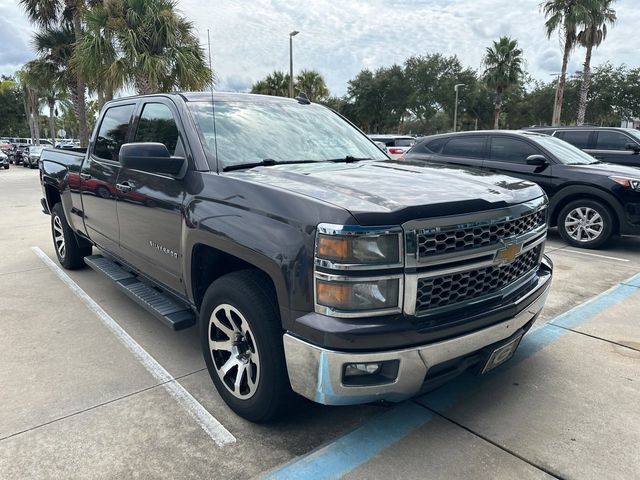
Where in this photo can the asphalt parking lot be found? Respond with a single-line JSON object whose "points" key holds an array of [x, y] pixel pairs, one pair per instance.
{"points": [[92, 386]]}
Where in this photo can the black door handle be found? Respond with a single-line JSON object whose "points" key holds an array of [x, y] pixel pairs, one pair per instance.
{"points": [[123, 187], [85, 176]]}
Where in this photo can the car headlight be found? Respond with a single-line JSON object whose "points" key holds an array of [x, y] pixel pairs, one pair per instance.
{"points": [[342, 253], [346, 247], [632, 183]]}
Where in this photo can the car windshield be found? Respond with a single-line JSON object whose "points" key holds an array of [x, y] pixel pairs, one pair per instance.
{"points": [[563, 151], [634, 133], [252, 132], [36, 149]]}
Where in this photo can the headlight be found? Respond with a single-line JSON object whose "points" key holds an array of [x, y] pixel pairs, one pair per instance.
{"points": [[632, 183], [352, 247], [342, 253]]}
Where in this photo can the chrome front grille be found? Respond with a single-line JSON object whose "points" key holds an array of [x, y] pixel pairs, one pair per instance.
{"points": [[441, 241], [453, 262], [451, 289]]}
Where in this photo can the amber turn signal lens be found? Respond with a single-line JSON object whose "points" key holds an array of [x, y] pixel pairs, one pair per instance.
{"points": [[335, 248], [333, 294]]}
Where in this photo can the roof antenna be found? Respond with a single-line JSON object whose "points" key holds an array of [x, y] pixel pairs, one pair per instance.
{"points": [[302, 98], [213, 107]]}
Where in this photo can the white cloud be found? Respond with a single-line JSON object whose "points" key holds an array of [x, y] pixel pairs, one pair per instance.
{"points": [[250, 38]]}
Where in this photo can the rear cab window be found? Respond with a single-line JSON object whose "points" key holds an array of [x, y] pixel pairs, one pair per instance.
{"points": [[113, 132]]}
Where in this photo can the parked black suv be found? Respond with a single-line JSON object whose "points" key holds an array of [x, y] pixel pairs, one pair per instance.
{"points": [[589, 200], [607, 144]]}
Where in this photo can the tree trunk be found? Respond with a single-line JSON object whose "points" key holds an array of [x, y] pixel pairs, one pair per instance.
{"points": [[79, 104], [100, 98], [27, 111], [144, 87], [557, 106], [35, 115], [584, 88], [108, 92], [498, 109], [52, 119]]}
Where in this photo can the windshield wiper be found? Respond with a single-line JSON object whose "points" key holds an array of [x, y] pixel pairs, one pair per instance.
{"points": [[267, 162], [347, 159]]}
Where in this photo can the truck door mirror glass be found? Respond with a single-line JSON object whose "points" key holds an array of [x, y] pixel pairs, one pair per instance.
{"points": [[537, 160], [151, 157], [635, 148]]}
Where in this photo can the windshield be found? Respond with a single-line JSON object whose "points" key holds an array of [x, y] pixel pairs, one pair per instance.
{"points": [[633, 132], [251, 132], [563, 151]]}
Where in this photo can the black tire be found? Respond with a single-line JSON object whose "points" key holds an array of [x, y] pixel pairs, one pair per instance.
{"points": [[251, 294], [6, 167], [571, 213], [71, 255]]}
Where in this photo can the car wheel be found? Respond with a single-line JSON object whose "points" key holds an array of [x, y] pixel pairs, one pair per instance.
{"points": [[585, 224], [68, 250], [241, 338], [6, 167]]}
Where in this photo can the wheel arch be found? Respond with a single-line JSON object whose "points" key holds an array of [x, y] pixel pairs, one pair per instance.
{"points": [[580, 192]]}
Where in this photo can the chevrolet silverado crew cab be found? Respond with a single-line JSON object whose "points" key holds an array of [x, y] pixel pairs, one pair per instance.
{"points": [[309, 260]]}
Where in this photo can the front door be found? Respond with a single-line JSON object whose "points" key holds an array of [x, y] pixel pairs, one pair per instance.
{"points": [[150, 205], [508, 155], [99, 174]]}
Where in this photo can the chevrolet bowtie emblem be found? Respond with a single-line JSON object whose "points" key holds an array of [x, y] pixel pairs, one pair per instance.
{"points": [[509, 253]]}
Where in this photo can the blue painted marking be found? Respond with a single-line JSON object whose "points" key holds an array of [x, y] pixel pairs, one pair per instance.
{"points": [[353, 449]]}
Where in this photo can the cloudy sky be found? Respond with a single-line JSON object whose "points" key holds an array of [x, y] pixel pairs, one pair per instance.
{"points": [[339, 38]]}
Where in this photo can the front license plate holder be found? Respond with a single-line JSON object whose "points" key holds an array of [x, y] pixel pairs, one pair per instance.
{"points": [[501, 354]]}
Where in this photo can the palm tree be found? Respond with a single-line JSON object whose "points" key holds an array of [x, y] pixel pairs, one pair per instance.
{"points": [[142, 43], [54, 14], [592, 35], [312, 84], [276, 83], [50, 86], [503, 70], [28, 81], [564, 16]]}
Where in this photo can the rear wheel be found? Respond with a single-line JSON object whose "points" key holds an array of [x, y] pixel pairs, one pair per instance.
{"points": [[241, 338], [585, 223], [68, 250]]}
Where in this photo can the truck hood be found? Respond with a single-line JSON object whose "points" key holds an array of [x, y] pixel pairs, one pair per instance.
{"points": [[392, 192]]}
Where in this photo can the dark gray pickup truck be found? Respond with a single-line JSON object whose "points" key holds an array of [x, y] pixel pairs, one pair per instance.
{"points": [[310, 261]]}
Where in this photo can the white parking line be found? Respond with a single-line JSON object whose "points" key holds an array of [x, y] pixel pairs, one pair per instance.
{"points": [[595, 255], [209, 424]]}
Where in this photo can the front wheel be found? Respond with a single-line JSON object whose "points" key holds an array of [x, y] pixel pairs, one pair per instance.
{"points": [[241, 338], [585, 224], [69, 252]]}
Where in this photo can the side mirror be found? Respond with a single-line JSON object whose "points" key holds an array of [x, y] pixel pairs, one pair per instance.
{"points": [[537, 160], [632, 146], [151, 157]]}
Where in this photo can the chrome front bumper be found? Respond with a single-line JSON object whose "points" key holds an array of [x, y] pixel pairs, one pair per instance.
{"points": [[316, 373]]}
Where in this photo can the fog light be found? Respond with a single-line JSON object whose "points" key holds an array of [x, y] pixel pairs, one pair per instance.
{"points": [[353, 369], [370, 373]]}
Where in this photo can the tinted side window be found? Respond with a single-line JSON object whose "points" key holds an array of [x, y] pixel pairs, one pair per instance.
{"points": [[513, 150], [157, 124], [579, 139], [404, 142], [612, 141], [468, 147], [436, 145], [113, 132]]}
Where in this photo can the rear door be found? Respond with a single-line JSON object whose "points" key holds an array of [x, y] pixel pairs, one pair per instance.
{"points": [[99, 174], [611, 146], [150, 205], [508, 155]]}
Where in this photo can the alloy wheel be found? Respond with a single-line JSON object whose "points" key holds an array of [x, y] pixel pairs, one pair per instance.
{"points": [[234, 351], [584, 224], [58, 236]]}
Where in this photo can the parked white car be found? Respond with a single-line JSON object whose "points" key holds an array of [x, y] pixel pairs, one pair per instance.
{"points": [[396, 145]]}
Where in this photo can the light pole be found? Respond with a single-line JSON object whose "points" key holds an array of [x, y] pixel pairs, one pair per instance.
{"points": [[291, 35], [455, 108]]}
